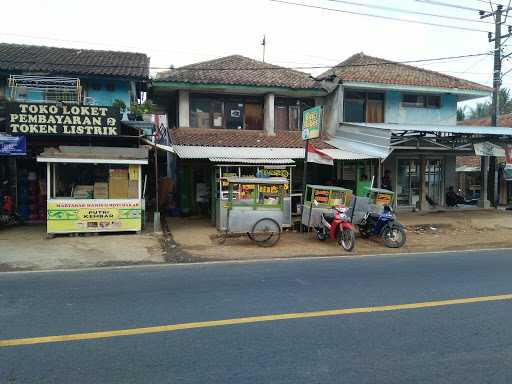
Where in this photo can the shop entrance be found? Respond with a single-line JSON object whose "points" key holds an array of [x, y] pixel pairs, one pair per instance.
{"points": [[408, 182], [434, 181]]}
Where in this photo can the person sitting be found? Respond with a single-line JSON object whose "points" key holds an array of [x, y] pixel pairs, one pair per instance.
{"points": [[453, 199]]}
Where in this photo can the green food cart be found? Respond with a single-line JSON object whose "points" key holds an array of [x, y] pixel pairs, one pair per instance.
{"points": [[326, 196]]}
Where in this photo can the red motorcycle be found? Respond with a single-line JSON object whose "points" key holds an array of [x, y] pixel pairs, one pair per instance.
{"points": [[336, 225]]}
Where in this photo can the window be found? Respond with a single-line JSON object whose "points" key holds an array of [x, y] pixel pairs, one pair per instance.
{"points": [[59, 95], [231, 112], [360, 107], [200, 113], [421, 101]]}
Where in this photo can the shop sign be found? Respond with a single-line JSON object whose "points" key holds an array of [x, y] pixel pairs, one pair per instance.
{"points": [[311, 123], [274, 172], [489, 149], [69, 120], [13, 145], [66, 216]]}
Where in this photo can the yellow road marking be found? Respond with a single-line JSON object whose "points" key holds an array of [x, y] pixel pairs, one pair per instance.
{"points": [[245, 320]]}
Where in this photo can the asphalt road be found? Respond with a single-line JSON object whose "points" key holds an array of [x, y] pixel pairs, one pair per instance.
{"points": [[466, 343]]}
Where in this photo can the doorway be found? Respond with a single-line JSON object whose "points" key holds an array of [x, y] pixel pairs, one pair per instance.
{"points": [[434, 181], [408, 183]]}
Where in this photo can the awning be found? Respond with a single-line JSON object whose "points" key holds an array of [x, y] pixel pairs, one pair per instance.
{"points": [[204, 152], [365, 142], [455, 129], [250, 161], [467, 168], [253, 155], [95, 155]]}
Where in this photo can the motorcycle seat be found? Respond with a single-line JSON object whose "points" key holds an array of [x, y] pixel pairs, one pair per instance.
{"points": [[328, 216]]}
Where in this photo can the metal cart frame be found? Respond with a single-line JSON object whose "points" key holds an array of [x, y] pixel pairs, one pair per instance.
{"points": [[260, 215]]}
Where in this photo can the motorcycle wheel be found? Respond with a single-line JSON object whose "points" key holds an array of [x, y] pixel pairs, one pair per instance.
{"points": [[394, 237], [320, 235], [346, 239], [363, 233]]}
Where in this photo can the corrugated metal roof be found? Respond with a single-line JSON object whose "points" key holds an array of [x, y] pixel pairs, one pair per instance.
{"points": [[467, 168], [203, 152], [340, 154], [250, 161], [251, 154], [461, 129]]}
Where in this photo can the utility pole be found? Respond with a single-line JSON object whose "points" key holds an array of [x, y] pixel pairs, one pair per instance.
{"points": [[492, 185], [264, 44]]}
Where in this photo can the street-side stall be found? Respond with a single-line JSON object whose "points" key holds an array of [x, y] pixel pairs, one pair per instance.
{"points": [[255, 207], [224, 172], [320, 198], [94, 189]]}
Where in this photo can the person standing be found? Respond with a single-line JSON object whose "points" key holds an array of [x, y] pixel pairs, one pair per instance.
{"points": [[386, 182]]}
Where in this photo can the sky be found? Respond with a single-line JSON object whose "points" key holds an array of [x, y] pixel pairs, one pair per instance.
{"points": [[177, 32]]}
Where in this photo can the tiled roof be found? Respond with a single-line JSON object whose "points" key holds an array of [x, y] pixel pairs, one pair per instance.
{"points": [[239, 70], [503, 121], [368, 69], [17, 58], [240, 138], [468, 161]]}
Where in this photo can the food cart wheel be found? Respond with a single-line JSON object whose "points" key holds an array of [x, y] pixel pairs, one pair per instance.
{"points": [[265, 232], [221, 239]]}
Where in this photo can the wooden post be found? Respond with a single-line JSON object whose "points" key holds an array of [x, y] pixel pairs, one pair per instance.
{"points": [[304, 183]]}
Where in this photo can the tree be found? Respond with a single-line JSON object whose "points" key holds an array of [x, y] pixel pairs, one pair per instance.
{"points": [[461, 113], [480, 110], [483, 109], [505, 101]]}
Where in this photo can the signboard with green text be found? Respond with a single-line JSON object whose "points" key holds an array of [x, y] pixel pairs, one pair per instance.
{"points": [[311, 123], [68, 216]]}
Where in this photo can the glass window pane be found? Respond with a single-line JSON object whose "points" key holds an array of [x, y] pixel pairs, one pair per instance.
{"points": [[353, 111]]}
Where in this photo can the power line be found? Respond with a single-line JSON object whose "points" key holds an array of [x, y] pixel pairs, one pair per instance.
{"points": [[84, 65], [393, 9], [442, 4], [487, 2], [380, 16]]}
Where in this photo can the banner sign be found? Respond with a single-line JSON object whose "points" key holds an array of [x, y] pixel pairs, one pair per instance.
{"points": [[311, 123], [13, 145], [69, 120], [488, 149], [75, 215]]}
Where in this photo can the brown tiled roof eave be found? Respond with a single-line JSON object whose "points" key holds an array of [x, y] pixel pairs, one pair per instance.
{"points": [[209, 137], [240, 70], [18, 58], [373, 70]]}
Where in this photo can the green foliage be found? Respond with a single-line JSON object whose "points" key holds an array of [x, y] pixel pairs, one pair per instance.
{"points": [[140, 109], [480, 110], [484, 109], [461, 113], [119, 104]]}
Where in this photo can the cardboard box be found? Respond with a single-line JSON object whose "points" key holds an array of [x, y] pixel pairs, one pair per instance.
{"points": [[118, 188], [133, 189], [118, 173], [101, 190], [83, 191]]}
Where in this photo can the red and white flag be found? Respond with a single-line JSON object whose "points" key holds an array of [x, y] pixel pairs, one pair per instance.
{"points": [[317, 156]]}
